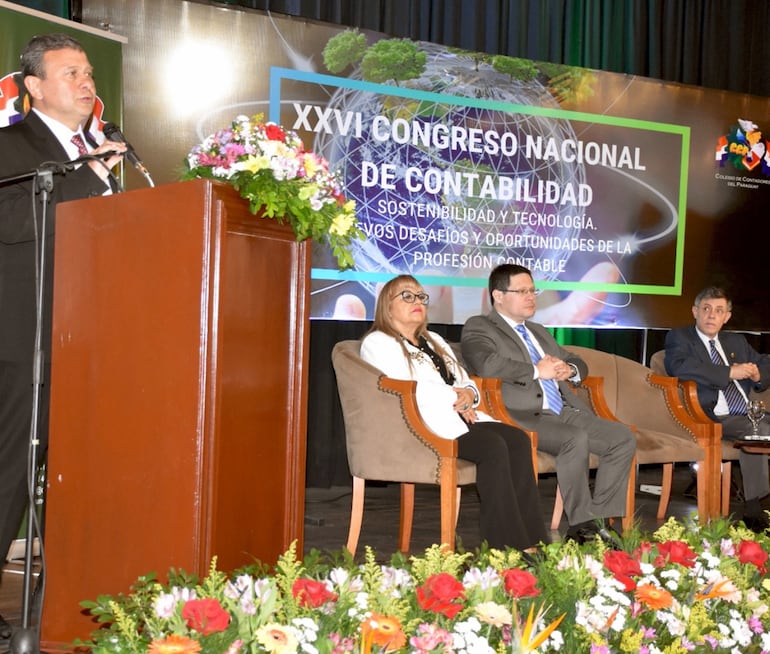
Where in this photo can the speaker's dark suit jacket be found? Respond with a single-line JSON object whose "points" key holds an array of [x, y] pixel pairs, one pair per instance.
{"points": [[688, 359], [24, 146]]}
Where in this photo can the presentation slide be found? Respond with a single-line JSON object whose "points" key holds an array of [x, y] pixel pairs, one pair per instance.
{"points": [[609, 188]]}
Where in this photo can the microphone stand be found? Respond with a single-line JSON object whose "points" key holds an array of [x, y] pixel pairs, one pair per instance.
{"points": [[26, 640]]}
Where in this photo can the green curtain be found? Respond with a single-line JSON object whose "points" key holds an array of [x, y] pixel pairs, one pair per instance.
{"points": [[714, 43]]}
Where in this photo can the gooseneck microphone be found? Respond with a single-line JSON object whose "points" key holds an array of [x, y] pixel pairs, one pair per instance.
{"points": [[113, 133]]}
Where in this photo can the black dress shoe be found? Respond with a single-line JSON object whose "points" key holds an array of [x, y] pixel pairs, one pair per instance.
{"points": [[582, 532], [5, 629], [587, 532], [757, 523]]}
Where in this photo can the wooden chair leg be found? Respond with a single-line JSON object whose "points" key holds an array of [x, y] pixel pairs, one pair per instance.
{"points": [[356, 514], [449, 507], [628, 520], [558, 509], [665, 490], [727, 473], [407, 517], [457, 501], [702, 493]]}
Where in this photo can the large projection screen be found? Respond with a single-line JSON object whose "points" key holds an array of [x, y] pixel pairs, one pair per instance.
{"points": [[626, 192]]}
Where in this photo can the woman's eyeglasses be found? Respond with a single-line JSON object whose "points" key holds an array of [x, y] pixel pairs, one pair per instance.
{"points": [[409, 297]]}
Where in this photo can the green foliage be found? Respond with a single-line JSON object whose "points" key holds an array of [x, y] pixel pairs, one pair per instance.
{"points": [[344, 49], [393, 59], [523, 70]]}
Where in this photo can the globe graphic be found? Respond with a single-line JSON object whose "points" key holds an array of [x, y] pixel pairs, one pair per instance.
{"points": [[420, 228]]}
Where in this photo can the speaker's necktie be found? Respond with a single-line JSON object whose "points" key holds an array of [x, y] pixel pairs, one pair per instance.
{"points": [[550, 386], [79, 144], [735, 400]]}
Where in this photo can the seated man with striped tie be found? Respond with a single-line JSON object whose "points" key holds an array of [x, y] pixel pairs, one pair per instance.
{"points": [[535, 370], [725, 369]]}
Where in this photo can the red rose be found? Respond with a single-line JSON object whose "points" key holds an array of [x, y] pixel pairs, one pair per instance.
{"points": [[750, 551], [438, 593], [206, 616], [520, 583], [623, 567], [675, 551], [274, 132], [312, 593]]}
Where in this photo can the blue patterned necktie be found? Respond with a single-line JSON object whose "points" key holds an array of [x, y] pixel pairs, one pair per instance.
{"points": [[735, 400], [550, 386]]}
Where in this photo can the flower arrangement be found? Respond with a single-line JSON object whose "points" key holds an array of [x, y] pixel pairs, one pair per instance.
{"points": [[688, 588], [271, 169]]}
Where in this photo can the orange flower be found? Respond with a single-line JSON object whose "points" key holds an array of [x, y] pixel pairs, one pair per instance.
{"points": [[174, 644], [724, 589], [653, 597], [382, 631]]}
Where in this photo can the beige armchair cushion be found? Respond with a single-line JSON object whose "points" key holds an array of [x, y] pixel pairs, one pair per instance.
{"points": [[380, 443]]}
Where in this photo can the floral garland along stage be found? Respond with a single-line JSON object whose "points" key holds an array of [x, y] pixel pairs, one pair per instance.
{"points": [[689, 588], [269, 166]]}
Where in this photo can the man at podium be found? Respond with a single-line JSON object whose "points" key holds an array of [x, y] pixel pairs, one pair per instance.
{"points": [[58, 79]]}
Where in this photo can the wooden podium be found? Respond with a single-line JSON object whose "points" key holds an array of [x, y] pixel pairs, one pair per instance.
{"points": [[179, 388]]}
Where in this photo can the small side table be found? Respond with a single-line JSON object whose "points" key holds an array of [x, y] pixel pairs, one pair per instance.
{"points": [[753, 447]]}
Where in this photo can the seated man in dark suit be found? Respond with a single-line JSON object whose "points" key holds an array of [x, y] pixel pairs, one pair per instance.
{"points": [[535, 370], [725, 369]]}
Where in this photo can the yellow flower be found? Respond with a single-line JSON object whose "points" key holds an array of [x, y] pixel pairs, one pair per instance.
{"points": [[255, 164], [494, 614], [174, 644], [311, 165], [653, 597], [341, 224], [277, 638]]}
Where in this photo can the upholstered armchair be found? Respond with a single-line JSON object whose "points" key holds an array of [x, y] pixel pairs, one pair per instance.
{"points": [[666, 432], [387, 440], [689, 392]]}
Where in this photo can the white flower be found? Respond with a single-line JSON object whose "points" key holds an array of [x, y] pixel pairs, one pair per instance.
{"points": [[466, 639], [306, 632], [395, 580], [263, 589], [339, 577], [164, 605], [484, 579]]}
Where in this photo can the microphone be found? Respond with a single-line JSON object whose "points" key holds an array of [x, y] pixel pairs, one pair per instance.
{"points": [[113, 133]]}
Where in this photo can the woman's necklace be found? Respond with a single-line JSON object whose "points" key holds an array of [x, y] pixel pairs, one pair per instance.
{"points": [[438, 362]]}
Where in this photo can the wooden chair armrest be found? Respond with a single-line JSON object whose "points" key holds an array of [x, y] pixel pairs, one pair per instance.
{"points": [[682, 401], [593, 388], [689, 391], [406, 390], [491, 392]]}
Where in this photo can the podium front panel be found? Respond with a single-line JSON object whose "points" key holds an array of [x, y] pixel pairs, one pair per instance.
{"points": [[178, 393]]}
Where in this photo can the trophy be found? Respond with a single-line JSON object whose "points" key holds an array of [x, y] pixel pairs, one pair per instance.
{"points": [[755, 411]]}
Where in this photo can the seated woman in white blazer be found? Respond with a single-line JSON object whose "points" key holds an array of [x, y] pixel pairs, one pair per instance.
{"points": [[400, 345]]}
